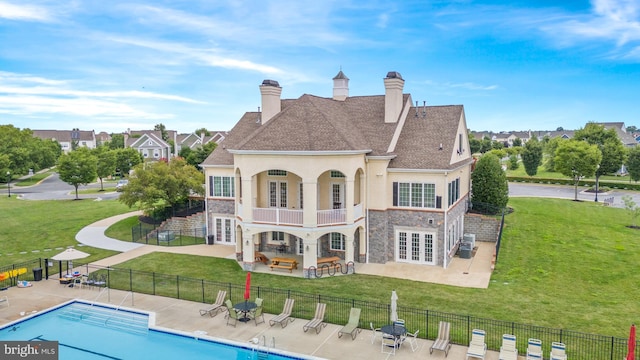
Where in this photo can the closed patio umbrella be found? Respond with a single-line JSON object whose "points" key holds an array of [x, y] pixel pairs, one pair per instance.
{"points": [[394, 307], [631, 353], [247, 287], [69, 255]]}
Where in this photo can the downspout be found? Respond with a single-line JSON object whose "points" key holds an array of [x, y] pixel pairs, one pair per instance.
{"points": [[445, 251], [366, 220]]}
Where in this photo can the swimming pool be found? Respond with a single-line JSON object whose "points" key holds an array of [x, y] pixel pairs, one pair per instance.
{"points": [[85, 332]]}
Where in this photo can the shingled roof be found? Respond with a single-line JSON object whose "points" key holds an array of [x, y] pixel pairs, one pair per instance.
{"points": [[312, 123]]}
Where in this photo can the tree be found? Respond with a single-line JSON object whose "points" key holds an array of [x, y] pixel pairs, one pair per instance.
{"points": [[202, 131], [632, 129], [577, 159], [77, 168], [117, 141], [513, 162], [475, 145], [158, 185], [633, 163], [23, 152], [163, 131], [489, 183], [517, 142], [559, 128], [549, 152], [199, 155], [126, 159], [532, 156], [613, 152], [632, 209], [106, 163], [485, 144]]}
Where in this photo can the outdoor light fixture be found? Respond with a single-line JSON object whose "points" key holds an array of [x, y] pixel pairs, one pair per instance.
{"points": [[9, 183]]}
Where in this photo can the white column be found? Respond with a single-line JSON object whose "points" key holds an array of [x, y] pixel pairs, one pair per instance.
{"points": [[349, 198], [310, 202], [248, 250], [247, 199]]}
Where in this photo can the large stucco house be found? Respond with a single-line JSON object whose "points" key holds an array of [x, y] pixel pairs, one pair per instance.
{"points": [[365, 178]]}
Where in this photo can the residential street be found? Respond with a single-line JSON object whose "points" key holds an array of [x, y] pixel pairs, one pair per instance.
{"points": [[52, 188]]}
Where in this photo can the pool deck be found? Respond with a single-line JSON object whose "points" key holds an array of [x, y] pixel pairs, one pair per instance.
{"points": [[184, 316]]}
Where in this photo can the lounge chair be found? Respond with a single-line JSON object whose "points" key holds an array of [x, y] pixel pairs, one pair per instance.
{"points": [[534, 349], [558, 351], [375, 332], [285, 316], [477, 346], [508, 350], [412, 339], [389, 344], [217, 306], [443, 341], [352, 325], [318, 319]]}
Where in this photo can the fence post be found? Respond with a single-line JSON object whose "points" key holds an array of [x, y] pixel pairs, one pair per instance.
{"points": [[130, 280], [202, 280], [178, 285], [153, 280]]}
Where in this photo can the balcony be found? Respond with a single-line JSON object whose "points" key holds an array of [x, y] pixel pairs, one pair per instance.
{"points": [[282, 216]]}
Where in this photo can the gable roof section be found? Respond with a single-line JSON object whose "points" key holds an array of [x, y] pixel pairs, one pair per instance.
{"points": [[419, 143], [139, 142]]}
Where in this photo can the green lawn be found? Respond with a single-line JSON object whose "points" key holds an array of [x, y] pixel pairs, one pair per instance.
{"points": [[563, 264]]}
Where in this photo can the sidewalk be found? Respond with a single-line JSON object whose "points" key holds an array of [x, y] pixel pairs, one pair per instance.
{"points": [[474, 272]]}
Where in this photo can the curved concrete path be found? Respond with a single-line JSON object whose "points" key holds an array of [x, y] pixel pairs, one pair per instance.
{"points": [[93, 235]]}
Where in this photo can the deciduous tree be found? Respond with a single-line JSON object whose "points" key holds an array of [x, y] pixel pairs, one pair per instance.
{"points": [[532, 156], [77, 168], [633, 163], [577, 159]]}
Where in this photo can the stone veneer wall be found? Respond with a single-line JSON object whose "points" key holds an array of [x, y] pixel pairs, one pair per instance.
{"points": [[189, 225], [486, 228], [382, 231]]}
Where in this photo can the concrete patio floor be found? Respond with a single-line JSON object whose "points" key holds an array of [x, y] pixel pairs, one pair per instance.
{"points": [[184, 316]]}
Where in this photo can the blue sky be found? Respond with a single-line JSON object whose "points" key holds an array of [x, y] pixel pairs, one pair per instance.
{"points": [[514, 65]]}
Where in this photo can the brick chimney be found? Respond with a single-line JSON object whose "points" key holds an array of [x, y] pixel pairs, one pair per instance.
{"points": [[340, 87], [270, 91], [393, 85]]}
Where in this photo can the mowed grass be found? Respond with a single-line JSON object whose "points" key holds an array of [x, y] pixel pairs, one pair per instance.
{"points": [[563, 264], [33, 229]]}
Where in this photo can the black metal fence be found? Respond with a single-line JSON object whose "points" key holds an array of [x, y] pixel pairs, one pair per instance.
{"points": [[10, 274], [580, 346], [149, 234]]}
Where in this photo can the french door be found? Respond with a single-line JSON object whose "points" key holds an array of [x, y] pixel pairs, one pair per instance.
{"points": [[415, 247]]}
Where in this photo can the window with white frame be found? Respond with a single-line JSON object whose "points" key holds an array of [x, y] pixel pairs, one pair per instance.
{"points": [[417, 195], [278, 194], [337, 241], [300, 196], [276, 173], [454, 191], [222, 186], [277, 236], [223, 228], [415, 247], [336, 174]]}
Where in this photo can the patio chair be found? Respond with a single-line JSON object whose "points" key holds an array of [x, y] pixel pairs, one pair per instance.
{"points": [[534, 349], [374, 332], [412, 339], [558, 351], [443, 341], [232, 314], [216, 306], [285, 316], [252, 312], [229, 308], [389, 344], [508, 350], [256, 314], [351, 327], [477, 346], [399, 322], [318, 319]]}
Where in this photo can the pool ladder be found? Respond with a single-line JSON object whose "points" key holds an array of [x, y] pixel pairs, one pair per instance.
{"points": [[262, 353]]}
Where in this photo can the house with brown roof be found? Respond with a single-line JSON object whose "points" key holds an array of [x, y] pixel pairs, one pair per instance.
{"points": [[69, 139], [362, 178], [149, 143]]}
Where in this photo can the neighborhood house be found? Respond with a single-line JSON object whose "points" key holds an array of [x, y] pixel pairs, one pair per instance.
{"points": [[359, 178]]}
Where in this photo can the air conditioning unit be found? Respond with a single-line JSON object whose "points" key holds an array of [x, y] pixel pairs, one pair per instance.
{"points": [[470, 238]]}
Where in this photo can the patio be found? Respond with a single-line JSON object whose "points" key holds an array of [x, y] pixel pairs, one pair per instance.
{"points": [[184, 316]]}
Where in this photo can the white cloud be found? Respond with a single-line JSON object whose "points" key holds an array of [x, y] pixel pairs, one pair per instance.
{"points": [[24, 12]]}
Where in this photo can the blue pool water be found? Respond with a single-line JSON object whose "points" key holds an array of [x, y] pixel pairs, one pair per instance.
{"points": [[86, 332]]}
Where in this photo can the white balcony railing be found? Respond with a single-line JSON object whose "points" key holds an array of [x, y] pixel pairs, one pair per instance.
{"points": [[332, 217], [280, 216]]}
